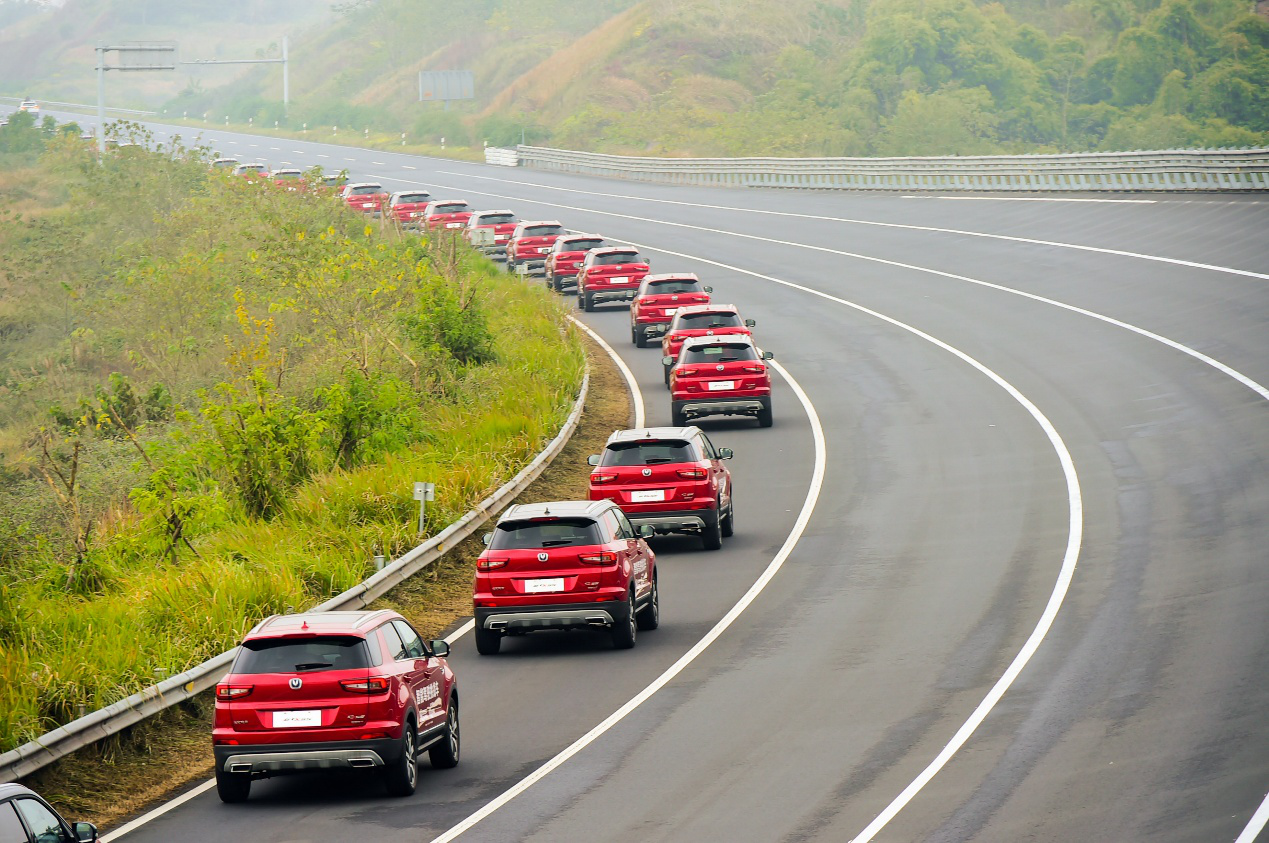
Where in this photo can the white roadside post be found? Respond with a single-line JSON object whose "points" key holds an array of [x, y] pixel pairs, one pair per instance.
{"points": [[424, 492]]}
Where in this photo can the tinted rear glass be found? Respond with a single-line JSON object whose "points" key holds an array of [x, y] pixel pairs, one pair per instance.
{"points": [[561, 532], [302, 655], [412, 197], [719, 354], [657, 288], [543, 230], [648, 453], [362, 191], [451, 209], [287, 174], [497, 219], [618, 257], [704, 321], [581, 245]]}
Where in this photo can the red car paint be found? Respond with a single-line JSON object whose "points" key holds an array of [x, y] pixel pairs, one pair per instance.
{"points": [[368, 197], [408, 206], [659, 297], [709, 320], [720, 376], [564, 259], [447, 214], [530, 242], [610, 273], [500, 223]]}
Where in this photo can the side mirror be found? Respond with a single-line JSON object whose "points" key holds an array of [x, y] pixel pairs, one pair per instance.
{"points": [[751, 323], [86, 833], [593, 459], [725, 453], [667, 360], [486, 538], [709, 289], [646, 531], [767, 355], [440, 648]]}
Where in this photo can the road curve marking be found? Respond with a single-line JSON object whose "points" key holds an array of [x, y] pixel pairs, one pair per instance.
{"points": [[1029, 240], [159, 811], [1256, 824], [799, 526], [636, 396]]}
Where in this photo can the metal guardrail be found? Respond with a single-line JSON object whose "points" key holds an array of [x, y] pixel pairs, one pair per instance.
{"points": [[99, 724], [502, 157], [92, 108], [1167, 170]]}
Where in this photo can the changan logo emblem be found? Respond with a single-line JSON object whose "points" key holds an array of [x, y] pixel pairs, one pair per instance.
{"points": [[295, 683], [647, 472], [543, 556]]}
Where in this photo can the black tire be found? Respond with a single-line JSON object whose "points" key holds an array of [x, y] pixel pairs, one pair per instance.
{"points": [[764, 417], [624, 631], [649, 616], [488, 642], [641, 339], [666, 372], [634, 337], [551, 285], [444, 753], [402, 775], [677, 418], [712, 535], [729, 522], [588, 302], [233, 787]]}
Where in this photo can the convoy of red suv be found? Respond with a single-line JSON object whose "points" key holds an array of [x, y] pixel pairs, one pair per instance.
{"points": [[715, 376], [321, 690], [608, 274], [529, 243], [658, 299], [564, 259]]}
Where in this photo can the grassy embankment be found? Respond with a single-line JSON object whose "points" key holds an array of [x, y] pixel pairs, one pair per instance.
{"points": [[214, 399]]}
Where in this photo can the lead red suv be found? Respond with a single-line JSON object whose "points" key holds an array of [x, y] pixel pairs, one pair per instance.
{"points": [[659, 297], [529, 244], [669, 478], [611, 273], [334, 689], [407, 207], [451, 214], [705, 320], [720, 376], [565, 565], [368, 197], [564, 259]]}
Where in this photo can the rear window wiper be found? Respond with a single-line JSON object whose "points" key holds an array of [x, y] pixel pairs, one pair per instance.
{"points": [[557, 542], [312, 665], [657, 460]]}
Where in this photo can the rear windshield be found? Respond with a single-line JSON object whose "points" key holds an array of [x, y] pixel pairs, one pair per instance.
{"points": [[543, 230], [256, 167], [581, 245], [287, 174], [704, 321], [497, 219], [648, 453], [364, 189], [412, 197], [657, 288], [302, 655], [560, 532], [617, 257], [456, 208], [719, 353], [227, 162]]}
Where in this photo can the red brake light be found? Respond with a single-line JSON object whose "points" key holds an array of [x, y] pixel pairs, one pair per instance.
{"points": [[756, 370], [364, 686], [602, 478], [686, 372], [488, 563], [692, 473], [604, 558], [226, 693]]}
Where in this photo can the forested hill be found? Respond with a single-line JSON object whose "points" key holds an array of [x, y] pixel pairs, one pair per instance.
{"points": [[786, 77]]}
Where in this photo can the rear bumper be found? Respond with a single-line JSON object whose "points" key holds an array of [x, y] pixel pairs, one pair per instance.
{"points": [[272, 759], [697, 407], [519, 619], [610, 294], [675, 521]]}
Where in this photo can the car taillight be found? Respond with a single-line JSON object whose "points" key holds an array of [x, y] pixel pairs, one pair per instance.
{"points": [[364, 686], [604, 558], [489, 563], [692, 473], [686, 373], [602, 478], [227, 693], [753, 370]]}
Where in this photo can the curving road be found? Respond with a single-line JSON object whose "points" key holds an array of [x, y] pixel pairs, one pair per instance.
{"points": [[1045, 433]]}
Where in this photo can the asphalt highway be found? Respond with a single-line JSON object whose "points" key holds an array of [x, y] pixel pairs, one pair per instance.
{"points": [[1046, 433]]}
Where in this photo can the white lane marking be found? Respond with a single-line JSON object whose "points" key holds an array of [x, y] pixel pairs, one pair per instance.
{"points": [[1037, 199], [636, 396], [320, 155], [1256, 824], [159, 811], [1110, 320], [380, 163], [351, 159], [275, 149], [804, 516], [1030, 240], [297, 151], [461, 631], [408, 167]]}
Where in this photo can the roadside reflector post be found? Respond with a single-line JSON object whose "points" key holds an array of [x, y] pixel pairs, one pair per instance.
{"points": [[424, 492], [378, 561]]}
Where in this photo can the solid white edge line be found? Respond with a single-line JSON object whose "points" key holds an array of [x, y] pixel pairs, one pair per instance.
{"points": [[159, 811], [1256, 824], [799, 526], [636, 396]]}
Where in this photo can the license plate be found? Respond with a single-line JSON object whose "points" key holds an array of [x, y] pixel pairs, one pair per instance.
{"points": [[453, 225], [500, 237], [296, 719], [646, 495], [620, 279], [544, 586], [670, 311], [718, 385]]}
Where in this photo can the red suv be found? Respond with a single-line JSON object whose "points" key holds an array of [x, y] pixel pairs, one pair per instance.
{"points": [[407, 206], [489, 232], [367, 196], [658, 299], [447, 214], [529, 244], [706, 320], [334, 689], [720, 376], [669, 478], [611, 273], [565, 565], [565, 256]]}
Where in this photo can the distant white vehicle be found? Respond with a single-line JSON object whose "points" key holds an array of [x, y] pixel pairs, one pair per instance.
{"points": [[29, 105]]}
